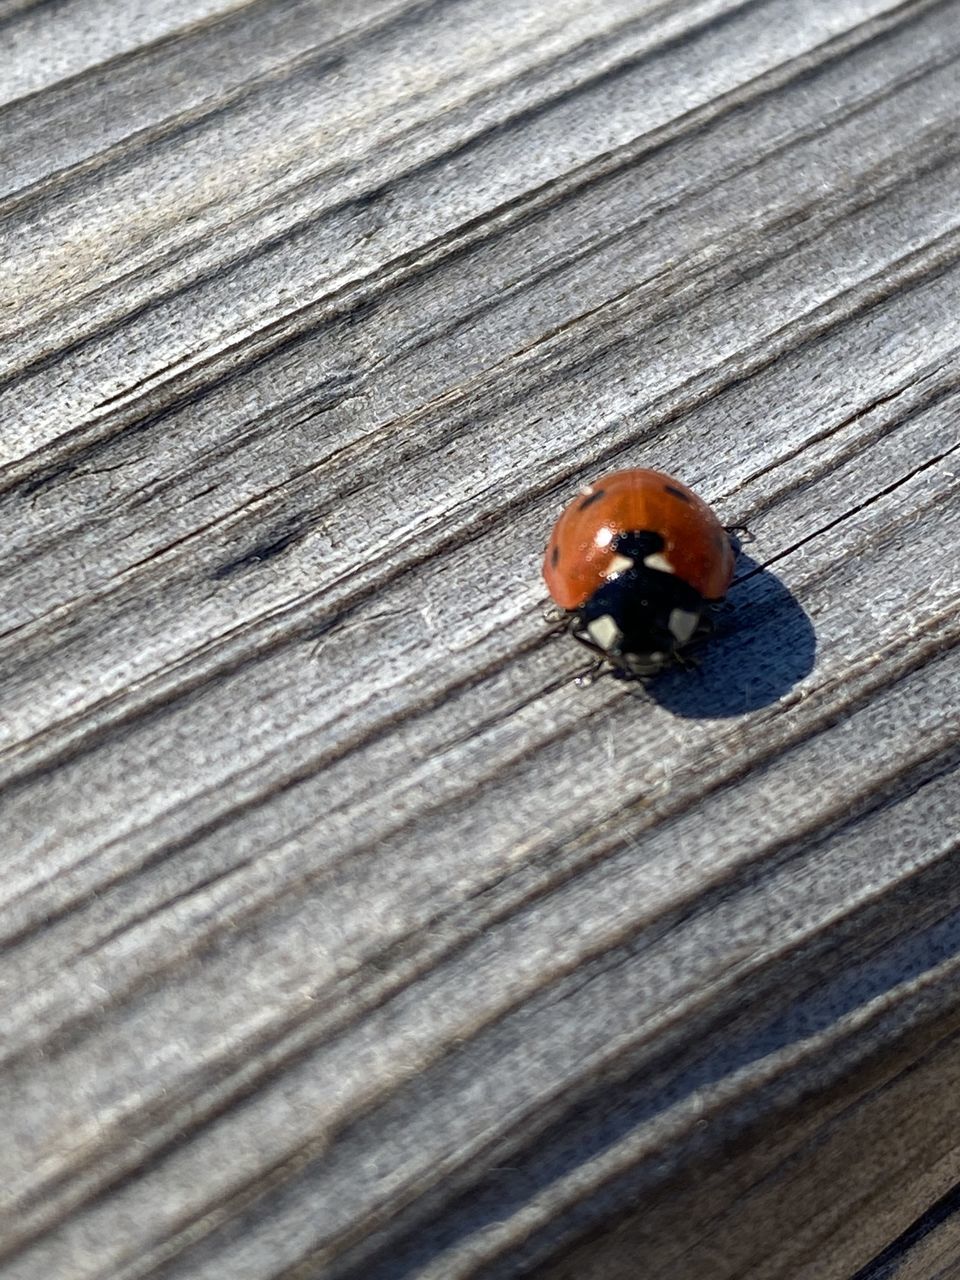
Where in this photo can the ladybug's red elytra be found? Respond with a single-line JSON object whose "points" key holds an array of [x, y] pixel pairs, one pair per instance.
{"points": [[634, 560]]}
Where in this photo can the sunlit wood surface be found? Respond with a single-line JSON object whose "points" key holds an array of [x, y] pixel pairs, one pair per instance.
{"points": [[344, 936]]}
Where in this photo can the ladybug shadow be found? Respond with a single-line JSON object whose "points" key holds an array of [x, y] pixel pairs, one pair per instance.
{"points": [[762, 644]]}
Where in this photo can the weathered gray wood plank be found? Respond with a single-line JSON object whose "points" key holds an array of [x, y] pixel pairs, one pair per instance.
{"points": [[343, 935]]}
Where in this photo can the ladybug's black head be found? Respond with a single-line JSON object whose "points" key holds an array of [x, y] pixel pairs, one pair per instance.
{"points": [[641, 615]]}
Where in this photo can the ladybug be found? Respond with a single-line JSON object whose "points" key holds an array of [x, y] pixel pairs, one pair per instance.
{"points": [[633, 561]]}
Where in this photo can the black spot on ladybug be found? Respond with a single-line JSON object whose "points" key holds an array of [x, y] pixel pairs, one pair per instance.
{"points": [[676, 493], [555, 556], [591, 498], [638, 545]]}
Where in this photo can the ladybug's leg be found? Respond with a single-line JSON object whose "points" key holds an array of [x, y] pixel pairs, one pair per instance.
{"points": [[715, 618], [600, 667], [712, 621], [553, 613], [582, 638], [560, 620], [738, 535], [686, 661], [593, 673]]}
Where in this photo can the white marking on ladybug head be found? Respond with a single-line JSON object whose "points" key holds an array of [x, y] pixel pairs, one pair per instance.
{"points": [[618, 565], [658, 561], [603, 631], [682, 624]]}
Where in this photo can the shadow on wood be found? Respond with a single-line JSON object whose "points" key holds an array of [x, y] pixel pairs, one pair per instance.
{"points": [[763, 645]]}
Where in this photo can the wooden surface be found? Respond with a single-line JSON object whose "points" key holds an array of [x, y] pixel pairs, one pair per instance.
{"points": [[344, 936]]}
